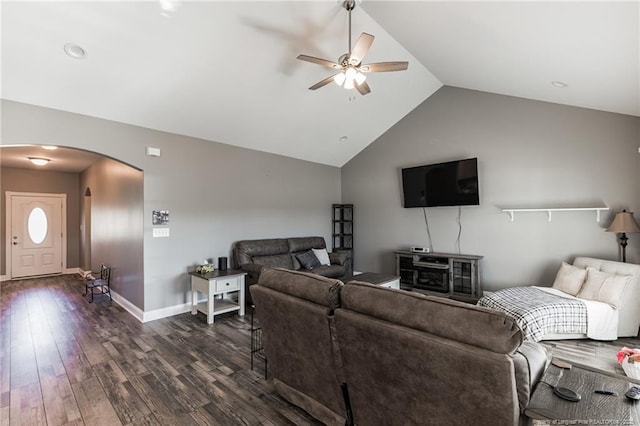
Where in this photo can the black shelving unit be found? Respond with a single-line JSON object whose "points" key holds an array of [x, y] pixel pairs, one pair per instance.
{"points": [[342, 228]]}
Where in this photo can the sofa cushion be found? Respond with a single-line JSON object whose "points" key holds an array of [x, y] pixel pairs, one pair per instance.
{"points": [[331, 271], [312, 287], [275, 261], [450, 319], [245, 250], [308, 260], [305, 243]]}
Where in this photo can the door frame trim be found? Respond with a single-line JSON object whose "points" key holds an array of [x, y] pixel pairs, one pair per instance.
{"points": [[8, 213]]}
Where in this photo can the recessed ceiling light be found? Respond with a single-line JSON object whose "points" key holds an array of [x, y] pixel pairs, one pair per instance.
{"points": [[50, 147], [39, 161], [75, 50], [559, 84], [343, 138]]}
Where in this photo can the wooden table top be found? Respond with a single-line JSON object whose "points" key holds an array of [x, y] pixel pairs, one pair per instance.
{"points": [[593, 408]]}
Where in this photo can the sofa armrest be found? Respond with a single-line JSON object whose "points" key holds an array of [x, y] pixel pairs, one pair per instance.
{"points": [[530, 362], [339, 257], [253, 271]]}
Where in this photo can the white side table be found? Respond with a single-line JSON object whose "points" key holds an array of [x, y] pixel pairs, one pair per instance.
{"points": [[217, 283]]}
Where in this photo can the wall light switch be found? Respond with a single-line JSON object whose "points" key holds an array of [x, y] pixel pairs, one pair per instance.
{"points": [[160, 232]]}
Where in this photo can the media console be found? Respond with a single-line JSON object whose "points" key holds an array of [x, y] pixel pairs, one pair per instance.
{"points": [[456, 276]]}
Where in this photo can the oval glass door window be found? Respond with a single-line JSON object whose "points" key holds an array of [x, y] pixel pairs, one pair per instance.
{"points": [[37, 225]]}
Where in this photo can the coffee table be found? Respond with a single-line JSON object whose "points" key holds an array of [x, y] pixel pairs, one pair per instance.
{"points": [[382, 280], [592, 408]]}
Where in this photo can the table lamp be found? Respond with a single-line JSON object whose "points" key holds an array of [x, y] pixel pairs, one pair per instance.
{"points": [[623, 223]]}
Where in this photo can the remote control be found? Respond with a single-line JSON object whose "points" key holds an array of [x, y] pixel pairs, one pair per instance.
{"points": [[633, 393]]}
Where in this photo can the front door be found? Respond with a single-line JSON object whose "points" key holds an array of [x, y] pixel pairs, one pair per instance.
{"points": [[36, 235]]}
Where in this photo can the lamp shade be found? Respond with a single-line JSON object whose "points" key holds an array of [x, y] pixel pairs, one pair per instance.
{"points": [[623, 222]]}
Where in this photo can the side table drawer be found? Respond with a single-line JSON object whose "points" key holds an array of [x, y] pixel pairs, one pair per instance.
{"points": [[224, 285]]}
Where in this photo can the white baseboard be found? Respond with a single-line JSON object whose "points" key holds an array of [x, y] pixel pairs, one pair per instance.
{"points": [[4, 278], [143, 316], [128, 306], [166, 312]]}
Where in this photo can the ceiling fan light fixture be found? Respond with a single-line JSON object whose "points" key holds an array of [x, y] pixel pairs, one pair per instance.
{"points": [[350, 73], [348, 84], [350, 64]]}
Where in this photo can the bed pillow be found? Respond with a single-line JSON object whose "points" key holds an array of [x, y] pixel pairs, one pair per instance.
{"points": [[322, 255], [604, 287], [569, 279]]}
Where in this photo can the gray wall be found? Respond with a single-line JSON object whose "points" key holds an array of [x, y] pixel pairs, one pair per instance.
{"points": [[216, 193], [24, 180], [116, 224], [530, 154]]}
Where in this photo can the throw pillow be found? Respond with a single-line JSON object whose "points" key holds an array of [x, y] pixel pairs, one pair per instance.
{"points": [[322, 255], [591, 286], [308, 260], [612, 289], [604, 287], [569, 279]]}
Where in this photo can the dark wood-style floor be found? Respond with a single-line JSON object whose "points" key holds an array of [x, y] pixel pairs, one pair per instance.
{"points": [[65, 361]]}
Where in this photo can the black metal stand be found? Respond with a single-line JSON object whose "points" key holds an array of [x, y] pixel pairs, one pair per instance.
{"points": [[256, 343], [623, 244]]}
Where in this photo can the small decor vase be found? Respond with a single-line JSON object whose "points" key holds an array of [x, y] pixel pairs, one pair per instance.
{"points": [[629, 360], [631, 369]]}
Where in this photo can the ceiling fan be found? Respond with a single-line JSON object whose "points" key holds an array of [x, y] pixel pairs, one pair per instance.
{"points": [[350, 64]]}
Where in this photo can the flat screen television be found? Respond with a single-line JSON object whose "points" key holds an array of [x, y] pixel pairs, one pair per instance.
{"points": [[454, 183]]}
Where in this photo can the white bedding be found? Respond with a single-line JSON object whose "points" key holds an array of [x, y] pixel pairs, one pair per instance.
{"points": [[602, 318]]}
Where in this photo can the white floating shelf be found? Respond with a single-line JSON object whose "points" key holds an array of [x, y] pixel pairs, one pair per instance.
{"points": [[511, 212]]}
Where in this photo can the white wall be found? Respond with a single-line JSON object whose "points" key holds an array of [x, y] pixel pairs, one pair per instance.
{"points": [[216, 193], [530, 153]]}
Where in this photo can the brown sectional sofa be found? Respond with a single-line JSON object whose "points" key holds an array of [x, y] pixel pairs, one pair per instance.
{"points": [[251, 256], [402, 358]]}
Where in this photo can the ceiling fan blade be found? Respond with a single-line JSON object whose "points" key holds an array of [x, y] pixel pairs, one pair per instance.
{"points": [[360, 48], [384, 67], [363, 88], [319, 61], [322, 83]]}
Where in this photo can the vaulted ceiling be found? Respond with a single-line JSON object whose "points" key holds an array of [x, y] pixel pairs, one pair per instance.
{"points": [[226, 71]]}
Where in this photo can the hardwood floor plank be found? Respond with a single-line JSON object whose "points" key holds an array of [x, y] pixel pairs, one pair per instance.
{"points": [[59, 402], [95, 406], [26, 406], [163, 405]]}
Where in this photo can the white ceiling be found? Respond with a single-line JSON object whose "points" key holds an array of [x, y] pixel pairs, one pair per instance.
{"points": [[226, 71]]}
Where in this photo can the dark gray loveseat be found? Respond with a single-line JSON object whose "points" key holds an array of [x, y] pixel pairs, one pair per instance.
{"points": [[405, 358], [251, 256]]}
